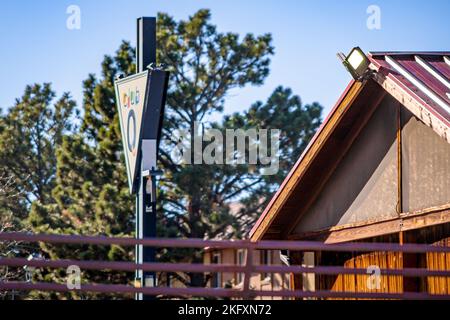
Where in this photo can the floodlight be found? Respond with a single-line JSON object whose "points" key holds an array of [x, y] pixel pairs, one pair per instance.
{"points": [[356, 62]]}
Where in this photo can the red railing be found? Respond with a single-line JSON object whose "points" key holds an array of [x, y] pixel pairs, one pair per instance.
{"points": [[248, 269]]}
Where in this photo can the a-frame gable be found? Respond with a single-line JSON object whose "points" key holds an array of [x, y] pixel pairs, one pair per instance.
{"points": [[420, 92], [364, 184]]}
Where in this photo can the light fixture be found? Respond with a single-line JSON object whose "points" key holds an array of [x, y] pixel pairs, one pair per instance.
{"points": [[356, 62]]}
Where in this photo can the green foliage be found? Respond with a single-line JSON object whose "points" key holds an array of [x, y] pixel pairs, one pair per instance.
{"points": [[205, 66], [29, 136], [199, 201], [74, 180], [91, 191]]}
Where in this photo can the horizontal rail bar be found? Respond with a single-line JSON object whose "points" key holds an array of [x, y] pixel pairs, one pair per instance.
{"points": [[349, 247], [202, 268], [121, 266], [335, 270], [204, 292], [223, 244], [351, 295], [124, 241]]}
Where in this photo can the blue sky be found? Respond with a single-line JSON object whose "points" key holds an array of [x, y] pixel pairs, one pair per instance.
{"points": [[37, 46]]}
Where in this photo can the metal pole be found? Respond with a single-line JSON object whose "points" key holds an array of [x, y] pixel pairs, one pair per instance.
{"points": [[146, 43], [146, 196]]}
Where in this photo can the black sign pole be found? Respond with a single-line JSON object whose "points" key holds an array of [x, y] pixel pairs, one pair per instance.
{"points": [[146, 195]]}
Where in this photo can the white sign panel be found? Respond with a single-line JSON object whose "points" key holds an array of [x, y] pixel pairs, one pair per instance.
{"points": [[130, 97]]}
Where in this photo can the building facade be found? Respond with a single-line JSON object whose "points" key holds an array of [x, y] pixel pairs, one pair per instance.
{"points": [[263, 282], [378, 170]]}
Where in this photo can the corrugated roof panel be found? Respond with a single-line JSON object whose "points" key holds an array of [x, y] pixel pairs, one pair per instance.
{"points": [[428, 78], [435, 72], [425, 74], [442, 67]]}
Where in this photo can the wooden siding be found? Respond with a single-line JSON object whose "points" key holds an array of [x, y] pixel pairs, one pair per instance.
{"points": [[436, 235]]}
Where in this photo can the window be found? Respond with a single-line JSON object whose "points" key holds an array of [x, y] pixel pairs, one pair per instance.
{"points": [[240, 261], [216, 281]]}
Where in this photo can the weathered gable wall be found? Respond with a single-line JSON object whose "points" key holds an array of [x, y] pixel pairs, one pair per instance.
{"points": [[364, 184], [425, 166]]}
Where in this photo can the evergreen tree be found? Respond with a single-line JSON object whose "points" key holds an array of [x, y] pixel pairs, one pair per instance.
{"points": [[30, 133], [89, 192], [206, 66]]}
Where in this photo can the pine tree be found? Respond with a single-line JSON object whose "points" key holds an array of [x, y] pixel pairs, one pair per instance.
{"points": [[90, 195], [30, 133], [206, 66], [91, 191]]}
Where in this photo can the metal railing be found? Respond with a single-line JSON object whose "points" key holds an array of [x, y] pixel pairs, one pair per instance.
{"points": [[247, 270]]}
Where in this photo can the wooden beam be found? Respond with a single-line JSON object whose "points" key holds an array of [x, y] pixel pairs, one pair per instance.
{"points": [[406, 221]]}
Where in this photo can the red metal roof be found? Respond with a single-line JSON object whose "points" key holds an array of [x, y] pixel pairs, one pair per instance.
{"points": [[424, 76]]}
